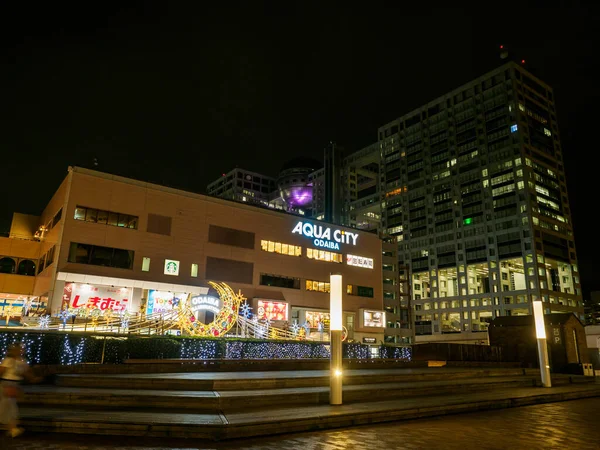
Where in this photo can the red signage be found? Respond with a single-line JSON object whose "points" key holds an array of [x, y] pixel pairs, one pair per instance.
{"points": [[77, 295]]}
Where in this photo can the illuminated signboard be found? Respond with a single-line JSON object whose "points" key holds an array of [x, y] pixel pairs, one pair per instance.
{"points": [[160, 301], [373, 318], [359, 261], [78, 295], [369, 340], [325, 236], [171, 267], [272, 310], [206, 303]]}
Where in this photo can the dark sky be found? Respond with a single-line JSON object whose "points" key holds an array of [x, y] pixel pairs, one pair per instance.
{"points": [[177, 96]]}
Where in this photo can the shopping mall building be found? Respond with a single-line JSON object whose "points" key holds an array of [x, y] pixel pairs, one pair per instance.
{"points": [[110, 242]]}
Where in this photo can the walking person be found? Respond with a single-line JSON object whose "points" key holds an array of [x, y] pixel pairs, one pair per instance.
{"points": [[12, 371]]}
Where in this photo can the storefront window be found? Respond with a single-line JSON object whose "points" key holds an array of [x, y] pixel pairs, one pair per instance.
{"points": [[313, 318]]}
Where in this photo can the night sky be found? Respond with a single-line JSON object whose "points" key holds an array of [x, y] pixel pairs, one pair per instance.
{"points": [[178, 96]]}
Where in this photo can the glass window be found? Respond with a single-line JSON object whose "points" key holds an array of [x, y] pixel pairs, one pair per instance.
{"points": [[103, 217], [322, 255], [100, 256], [113, 219], [318, 286], [145, 264], [279, 281], [91, 215], [123, 220], [194, 270], [122, 259], [281, 248], [79, 213]]}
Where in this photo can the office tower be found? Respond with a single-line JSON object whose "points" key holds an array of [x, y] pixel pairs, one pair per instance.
{"points": [[243, 186], [333, 183], [474, 192]]}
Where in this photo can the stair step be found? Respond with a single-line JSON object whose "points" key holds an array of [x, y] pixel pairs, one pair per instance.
{"points": [[222, 381], [284, 419], [230, 400]]}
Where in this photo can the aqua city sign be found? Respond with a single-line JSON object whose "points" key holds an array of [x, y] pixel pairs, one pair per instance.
{"points": [[325, 236]]}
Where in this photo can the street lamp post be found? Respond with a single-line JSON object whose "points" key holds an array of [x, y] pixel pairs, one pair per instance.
{"points": [[540, 333], [335, 329]]}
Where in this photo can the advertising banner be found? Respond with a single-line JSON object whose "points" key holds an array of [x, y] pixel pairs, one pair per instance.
{"points": [[78, 295], [162, 301], [271, 310], [374, 318]]}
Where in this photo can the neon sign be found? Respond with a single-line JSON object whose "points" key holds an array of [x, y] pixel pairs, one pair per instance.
{"points": [[324, 236]]}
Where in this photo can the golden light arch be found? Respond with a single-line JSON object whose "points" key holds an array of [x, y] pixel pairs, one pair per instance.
{"points": [[224, 320]]}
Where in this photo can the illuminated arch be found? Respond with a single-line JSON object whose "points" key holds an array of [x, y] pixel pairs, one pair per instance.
{"points": [[224, 319]]}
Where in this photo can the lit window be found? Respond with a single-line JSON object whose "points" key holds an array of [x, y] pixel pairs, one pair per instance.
{"points": [[194, 272], [322, 255], [282, 249], [145, 264], [514, 128], [317, 286], [521, 107], [547, 132]]}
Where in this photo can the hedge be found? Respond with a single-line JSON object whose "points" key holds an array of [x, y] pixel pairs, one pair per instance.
{"points": [[76, 348]]}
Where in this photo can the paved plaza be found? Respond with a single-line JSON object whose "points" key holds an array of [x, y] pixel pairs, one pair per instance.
{"points": [[563, 425]]}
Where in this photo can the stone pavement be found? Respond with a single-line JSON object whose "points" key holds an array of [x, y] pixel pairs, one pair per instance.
{"points": [[564, 425]]}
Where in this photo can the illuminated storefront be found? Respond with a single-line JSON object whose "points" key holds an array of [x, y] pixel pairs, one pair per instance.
{"points": [[82, 295], [372, 319], [271, 310]]}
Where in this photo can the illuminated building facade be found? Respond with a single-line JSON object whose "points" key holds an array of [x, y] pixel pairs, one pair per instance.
{"points": [[474, 193], [115, 243]]}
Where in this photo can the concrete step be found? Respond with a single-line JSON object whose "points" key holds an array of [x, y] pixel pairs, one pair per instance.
{"points": [[238, 424], [232, 400], [223, 381]]}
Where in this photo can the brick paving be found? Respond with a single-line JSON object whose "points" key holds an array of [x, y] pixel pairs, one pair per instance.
{"points": [[564, 425]]}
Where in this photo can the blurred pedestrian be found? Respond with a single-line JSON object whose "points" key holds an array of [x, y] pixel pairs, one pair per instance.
{"points": [[13, 370]]}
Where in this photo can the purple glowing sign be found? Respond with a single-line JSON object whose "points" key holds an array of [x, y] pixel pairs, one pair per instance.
{"points": [[298, 196]]}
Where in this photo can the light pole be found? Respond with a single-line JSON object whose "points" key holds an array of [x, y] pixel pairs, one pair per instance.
{"points": [[540, 333], [335, 327]]}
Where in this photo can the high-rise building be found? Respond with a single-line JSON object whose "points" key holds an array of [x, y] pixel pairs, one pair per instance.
{"points": [[243, 186], [473, 190]]}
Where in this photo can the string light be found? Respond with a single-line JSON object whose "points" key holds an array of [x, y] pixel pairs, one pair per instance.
{"points": [[44, 322], [295, 328], [245, 310], [68, 349]]}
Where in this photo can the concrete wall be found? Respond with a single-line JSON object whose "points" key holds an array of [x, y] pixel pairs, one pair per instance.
{"points": [[23, 226], [18, 249]]}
